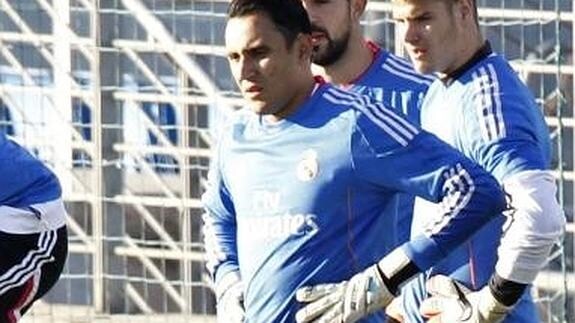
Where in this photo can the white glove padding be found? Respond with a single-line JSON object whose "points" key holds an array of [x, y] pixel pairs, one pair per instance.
{"points": [[347, 301], [451, 302], [230, 308]]}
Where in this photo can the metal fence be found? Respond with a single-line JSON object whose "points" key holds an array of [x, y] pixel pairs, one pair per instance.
{"points": [[121, 98]]}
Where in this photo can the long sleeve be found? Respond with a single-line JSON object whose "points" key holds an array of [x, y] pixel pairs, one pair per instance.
{"points": [[512, 143], [416, 162], [219, 225], [536, 223]]}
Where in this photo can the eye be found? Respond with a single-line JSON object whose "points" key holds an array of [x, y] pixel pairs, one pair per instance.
{"points": [[233, 57], [398, 21], [423, 18], [259, 52]]}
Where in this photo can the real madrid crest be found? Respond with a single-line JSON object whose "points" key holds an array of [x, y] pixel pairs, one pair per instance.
{"points": [[308, 167]]}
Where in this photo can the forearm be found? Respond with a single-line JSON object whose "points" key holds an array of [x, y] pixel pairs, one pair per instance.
{"points": [[220, 244], [535, 224], [470, 199]]}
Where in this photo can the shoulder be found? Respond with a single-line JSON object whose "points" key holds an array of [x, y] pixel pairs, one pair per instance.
{"points": [[355, 103], [497, 97], [492, 76], [338, 96], [494, 81], [373, 118], [400, 69]]}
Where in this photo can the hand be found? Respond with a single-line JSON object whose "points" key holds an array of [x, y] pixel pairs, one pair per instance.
{"points": [[452, 302], [347, 301], [394, 311], [230, 308]]}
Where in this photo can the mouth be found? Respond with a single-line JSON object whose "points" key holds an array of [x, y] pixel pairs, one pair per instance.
{"points": [[253, 90], [317, 37], [418, 52]]}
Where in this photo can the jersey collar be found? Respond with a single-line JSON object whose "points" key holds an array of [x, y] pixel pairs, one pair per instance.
{"points": [[374, 49], [481, 54]]}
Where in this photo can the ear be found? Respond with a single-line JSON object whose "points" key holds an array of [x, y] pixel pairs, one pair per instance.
{"points": [[357, 8], [466, 9], [304, 47]]}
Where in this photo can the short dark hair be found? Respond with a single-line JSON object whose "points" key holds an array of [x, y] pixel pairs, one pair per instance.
{"points": [[289, 16], [450, 3]]}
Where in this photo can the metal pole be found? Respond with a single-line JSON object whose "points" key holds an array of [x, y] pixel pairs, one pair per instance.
{"points": [[62, 69], [97, 179]]}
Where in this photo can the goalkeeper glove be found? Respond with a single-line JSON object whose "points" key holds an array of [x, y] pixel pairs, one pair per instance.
{"points": [[349, 301], [230, 308], [450, 301]]}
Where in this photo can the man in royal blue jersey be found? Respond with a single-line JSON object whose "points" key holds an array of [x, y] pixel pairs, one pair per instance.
{"points": [[298, 182], [343, 56], [480, 106], [33, 238]]}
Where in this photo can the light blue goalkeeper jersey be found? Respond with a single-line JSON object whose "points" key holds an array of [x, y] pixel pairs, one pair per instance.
{"points": [[294, 203], [392, 80], [486, 112], [25, 180]]}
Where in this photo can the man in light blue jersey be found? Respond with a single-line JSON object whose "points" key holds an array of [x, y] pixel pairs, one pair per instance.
{"points": [[298, 182], [343, 56], [480, 106], [33, 237]]}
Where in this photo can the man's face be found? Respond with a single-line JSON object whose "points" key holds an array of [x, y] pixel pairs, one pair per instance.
{"points": [[331, 25], [265, 70], [430, 33]]}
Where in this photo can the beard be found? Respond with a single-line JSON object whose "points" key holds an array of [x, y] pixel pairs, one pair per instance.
{"points": [[333, 50]]}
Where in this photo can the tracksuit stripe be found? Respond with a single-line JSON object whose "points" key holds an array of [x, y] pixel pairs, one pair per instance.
{"points": [[404, 67], [488, 103], [460, 188], [415, 78], [498, 105], [33, 261], [396, 127]]}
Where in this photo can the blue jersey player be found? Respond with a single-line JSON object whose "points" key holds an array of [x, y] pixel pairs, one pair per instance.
{"points": [[33, 238], [344, 57], [480, 106], [299, 181]]}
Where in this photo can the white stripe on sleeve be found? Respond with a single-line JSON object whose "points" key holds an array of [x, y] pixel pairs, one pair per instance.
{"points": [[396, 127]]}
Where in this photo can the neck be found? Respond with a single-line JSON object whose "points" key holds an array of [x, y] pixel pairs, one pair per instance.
{"points": [[301, 94], [469, 46], [354, 61]]}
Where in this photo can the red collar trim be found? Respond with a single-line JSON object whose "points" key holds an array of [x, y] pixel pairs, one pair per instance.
{"points": [[375, 49], [318, 79]]}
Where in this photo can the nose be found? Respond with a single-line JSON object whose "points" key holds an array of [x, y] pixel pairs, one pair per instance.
{"points": [[312, 13], [410, 33], [244, 69]]}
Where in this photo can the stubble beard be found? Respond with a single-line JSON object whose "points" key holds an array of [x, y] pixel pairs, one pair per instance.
{"points": [[333, 51]]}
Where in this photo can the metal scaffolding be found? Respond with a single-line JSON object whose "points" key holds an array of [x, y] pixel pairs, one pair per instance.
{"points": [[122, 97]]}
